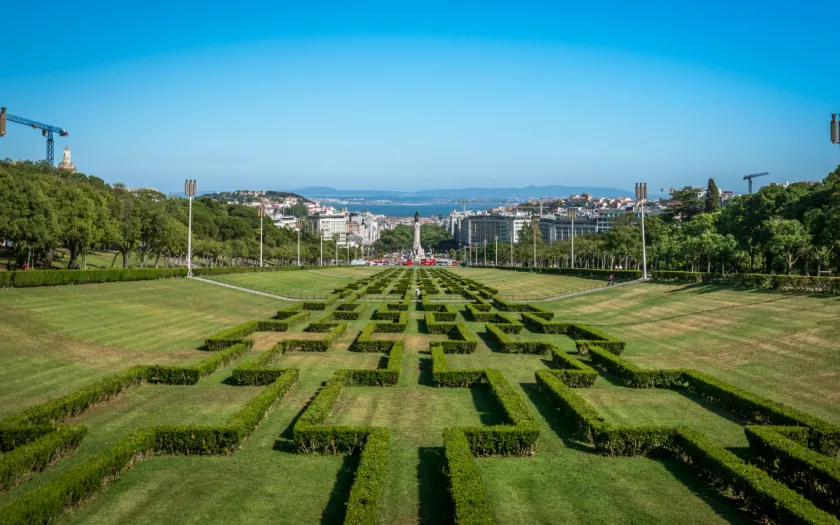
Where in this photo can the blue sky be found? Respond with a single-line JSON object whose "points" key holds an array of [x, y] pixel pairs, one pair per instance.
{"points": [[426, 95]]}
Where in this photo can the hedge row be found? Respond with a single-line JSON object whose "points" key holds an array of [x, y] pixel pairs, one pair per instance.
{"points": [[632, 375], [31, 278], [311, 436], [461, 339], [811, 473], [793, 283], [189, 375], [444, 377], [466, 487], [258, 372], [49, 501], [365, 500], [480, 315], [498, 333], [755, 488], [522, 307], [571, 371], [237, 334], [586, 336], [387, 376], [592, 273], [18, 465], [314, 345]]}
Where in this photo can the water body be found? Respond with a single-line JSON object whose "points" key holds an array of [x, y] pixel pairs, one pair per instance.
{"points": [[426, 210]]}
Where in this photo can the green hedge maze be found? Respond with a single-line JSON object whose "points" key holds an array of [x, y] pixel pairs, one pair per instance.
{"points": [[435, 411]]}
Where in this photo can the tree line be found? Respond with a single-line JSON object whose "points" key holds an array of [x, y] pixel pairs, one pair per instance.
{"points": [[792, 229], [44, 210]]}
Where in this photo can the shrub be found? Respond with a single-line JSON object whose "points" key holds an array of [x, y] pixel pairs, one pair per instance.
{"points": [[540, 325], [444, 377], [314, 345], [583, 417], [498, 335], [585, 336], [571, 371], [31, 278], [467, 490], [522, 307], [76, 402], [19, 464], [379, 376], [760, 493], [365, 500], [311, 437], [237, 334], [632, 375], [461, 340], [811, 473]]}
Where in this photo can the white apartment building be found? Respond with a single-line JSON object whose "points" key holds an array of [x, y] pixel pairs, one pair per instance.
{"points": [[478, 229], [332, 226], [284, 221]]}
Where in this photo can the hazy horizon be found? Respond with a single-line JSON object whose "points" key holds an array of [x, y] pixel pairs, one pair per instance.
{"points": [[391, 96]]}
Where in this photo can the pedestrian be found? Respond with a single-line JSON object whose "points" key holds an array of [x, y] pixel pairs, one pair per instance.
{"points": [[610, 280], [417, 293], [26, 266]]}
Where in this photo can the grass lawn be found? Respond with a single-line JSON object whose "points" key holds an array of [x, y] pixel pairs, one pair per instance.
{"points": [[529, 286], [56, 339], [306, 284], [782, 346], [267, 481]]}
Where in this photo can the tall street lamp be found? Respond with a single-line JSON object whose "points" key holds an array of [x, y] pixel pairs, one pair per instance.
{"points": [[321, 261], [297, 229], [641, 196], [536, 225], [512, 233], [835, 129], [485, 252], [496, 251], [572, 215], [262, 214], [189, 191]]}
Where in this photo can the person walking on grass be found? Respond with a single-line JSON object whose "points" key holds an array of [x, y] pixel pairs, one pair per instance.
{"points": [[610, 280], [417, 293]]}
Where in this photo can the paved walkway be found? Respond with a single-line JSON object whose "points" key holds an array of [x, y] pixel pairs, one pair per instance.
{"points": [[241, 289]]}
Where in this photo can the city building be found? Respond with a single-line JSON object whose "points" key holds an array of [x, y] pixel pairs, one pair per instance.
{"points": [[478, 229], [331, 226]]}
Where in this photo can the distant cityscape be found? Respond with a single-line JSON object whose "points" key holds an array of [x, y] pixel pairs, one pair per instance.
{"points": [[354, 222]]}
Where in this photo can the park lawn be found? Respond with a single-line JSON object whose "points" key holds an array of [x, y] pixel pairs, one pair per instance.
{"points": [[782, 346], [302, 285], [57, 339], [565, 482], [527, 286]]}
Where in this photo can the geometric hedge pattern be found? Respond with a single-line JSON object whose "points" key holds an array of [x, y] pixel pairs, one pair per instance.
{"points": [[794, 478]]}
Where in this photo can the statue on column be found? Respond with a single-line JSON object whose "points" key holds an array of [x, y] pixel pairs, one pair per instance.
{"points": [[66, 164], [417, 251]]}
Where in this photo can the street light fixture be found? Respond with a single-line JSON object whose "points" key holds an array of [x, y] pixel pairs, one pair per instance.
{"points": [[297, 229], [496, 251], [835, 129], [536, 225], [321, 261], [189, 191], [641, 196], [485, 252], [572, 215], [262, 214]]}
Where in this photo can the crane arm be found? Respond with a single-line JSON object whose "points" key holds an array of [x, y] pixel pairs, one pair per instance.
{"points": [[37, 125], [754, 175]]}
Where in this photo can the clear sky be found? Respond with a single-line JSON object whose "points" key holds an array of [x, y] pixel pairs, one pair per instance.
{"points": [[406, 96]]}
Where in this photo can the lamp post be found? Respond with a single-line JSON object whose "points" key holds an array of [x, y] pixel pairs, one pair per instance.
{"points": [[297, 229], [321, 260], [536, 225], [189, 191], [835, 129], [496, 251], [641, 195], [513, 231], [572, 215], [485, 252], [262, 214]]}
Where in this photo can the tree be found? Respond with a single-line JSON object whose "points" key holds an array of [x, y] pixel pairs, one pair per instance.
{"points": [[124, 227], [788, 238], [685, 204], [712, 197], [82, 215]]}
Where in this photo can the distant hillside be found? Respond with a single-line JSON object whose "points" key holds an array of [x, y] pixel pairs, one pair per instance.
{"points": [[245, 196], [487, 194]]}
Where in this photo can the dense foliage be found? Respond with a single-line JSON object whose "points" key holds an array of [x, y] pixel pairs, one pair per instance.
{"points": [[44, 210], [792, 229]]}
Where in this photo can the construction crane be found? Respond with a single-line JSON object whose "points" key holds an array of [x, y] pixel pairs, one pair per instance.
{"points": [[751, 176], [46, 131]]}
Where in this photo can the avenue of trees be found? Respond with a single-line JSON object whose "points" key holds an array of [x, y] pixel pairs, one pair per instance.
{"points": [[402, 237], [44, 211], [792, 230]]}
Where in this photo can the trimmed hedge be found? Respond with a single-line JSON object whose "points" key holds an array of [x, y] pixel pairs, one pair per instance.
{"points": [[811, 473], [632, 375], [759, 492], [571, 371], [314, 345], [498, 334], [19, 464], [444, 377], [189, 375], [461, 340], [580, 414], [592, 273], [538, 324], [466, 487], [237, 334], [31, 278], [365, 500], [792, 283], [76, 402], [522, 307], [585, 336], [378, 376]]}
